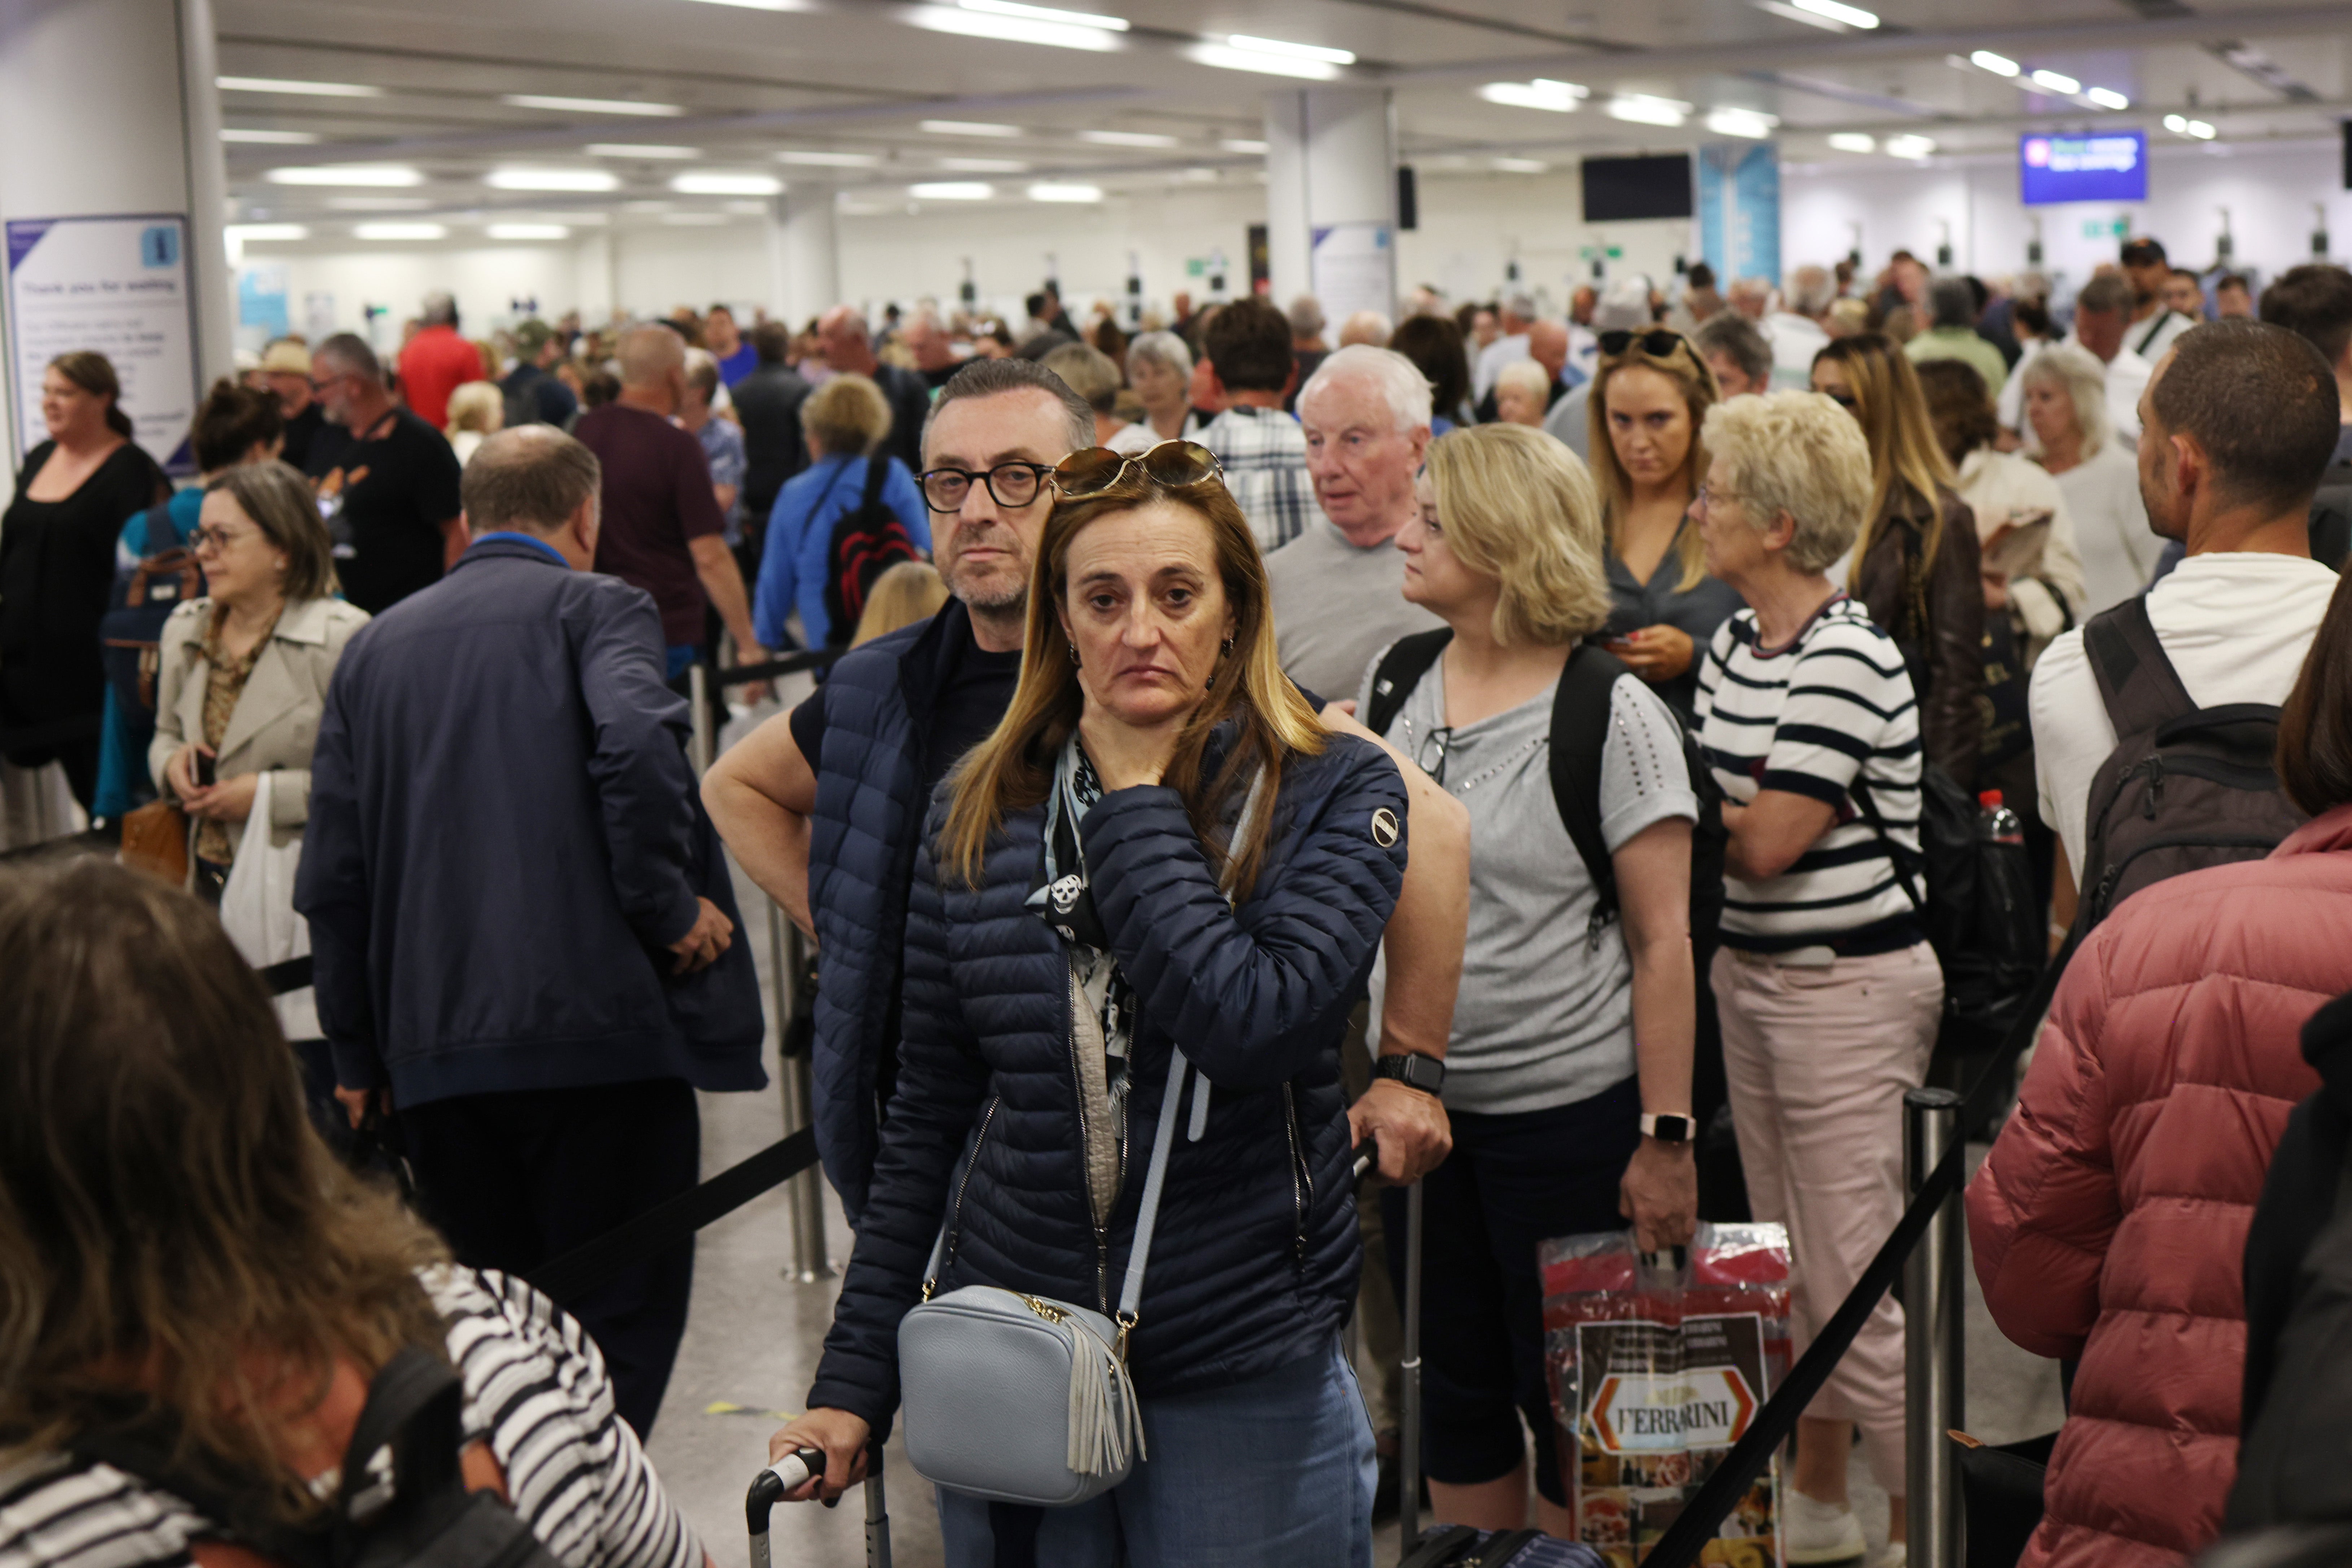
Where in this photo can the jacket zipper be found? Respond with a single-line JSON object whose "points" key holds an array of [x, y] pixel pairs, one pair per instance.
{"points": [[1302, 1182], [955, 1227], [1085, 1142]]}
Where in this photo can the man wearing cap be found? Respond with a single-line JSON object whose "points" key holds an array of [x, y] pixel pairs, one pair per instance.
{"points": [[535, 395], [286, 366]]}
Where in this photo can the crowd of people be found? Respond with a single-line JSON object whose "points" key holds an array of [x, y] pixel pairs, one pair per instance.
{"points": [[1305, 743]]}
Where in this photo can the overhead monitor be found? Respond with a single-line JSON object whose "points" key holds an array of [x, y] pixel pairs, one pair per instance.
{"points": [[1618, 190], [2111, 166]]}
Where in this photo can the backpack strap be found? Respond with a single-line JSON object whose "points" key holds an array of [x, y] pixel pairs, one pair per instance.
{"points": [[1399, 671], [414, 1407], [878, 468], [1579, 729], [2141, 689]]}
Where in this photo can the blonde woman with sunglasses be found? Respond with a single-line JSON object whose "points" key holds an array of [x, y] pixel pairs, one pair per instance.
{"points": [[1095, 892]]}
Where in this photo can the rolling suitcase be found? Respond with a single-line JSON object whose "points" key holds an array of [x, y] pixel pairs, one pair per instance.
{"points": [[778, 1478]]}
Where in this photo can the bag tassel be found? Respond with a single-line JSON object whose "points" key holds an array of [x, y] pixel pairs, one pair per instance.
{"points": [[1104, 1418]]}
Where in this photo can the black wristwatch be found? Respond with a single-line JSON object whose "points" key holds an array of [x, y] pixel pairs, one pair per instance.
{"points": [[1669, 1129], [1411, 1069]]}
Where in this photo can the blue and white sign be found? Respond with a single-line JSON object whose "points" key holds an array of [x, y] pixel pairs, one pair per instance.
{"points": [[1352, 268], [1739, 209], [2105, 168], [261, 302], [117, 285]]}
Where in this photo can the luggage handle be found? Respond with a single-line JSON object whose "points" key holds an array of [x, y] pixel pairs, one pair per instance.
{"points": [[794, 1469]]}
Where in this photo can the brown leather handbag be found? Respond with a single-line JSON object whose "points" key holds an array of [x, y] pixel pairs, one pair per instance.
{"points": [[155, 841]]}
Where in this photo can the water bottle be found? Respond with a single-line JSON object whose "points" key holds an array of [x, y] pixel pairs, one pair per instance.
{"points": [[1996, 823]]}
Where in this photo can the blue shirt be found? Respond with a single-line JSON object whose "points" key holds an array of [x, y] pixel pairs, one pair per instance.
{"points": [[738, 364], [123, 734], [799, 532]]}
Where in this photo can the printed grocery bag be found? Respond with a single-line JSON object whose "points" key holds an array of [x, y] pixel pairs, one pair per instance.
{"points": [[1656, 1369]]}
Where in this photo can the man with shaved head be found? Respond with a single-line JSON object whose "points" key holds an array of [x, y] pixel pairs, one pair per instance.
{"points": [[662, 529], [848, 346]]}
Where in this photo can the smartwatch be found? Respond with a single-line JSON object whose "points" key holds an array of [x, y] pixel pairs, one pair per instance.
{"points": [[1411, 1069], [1669, 1129]]}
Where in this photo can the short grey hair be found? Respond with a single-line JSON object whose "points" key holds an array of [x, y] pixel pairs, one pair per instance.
{"points": [[1166, 350], [1527, 375], [1367, 327], [992, 378], [1812, 291], [440, 308], [1739, 340], [1798, 453], [2076, 372], [1626, 308], [353, 352], [1523, 306], [1954, 302], [1088, 372], [1402, 385], [533, 476], [1306, 315], [702, 373]]}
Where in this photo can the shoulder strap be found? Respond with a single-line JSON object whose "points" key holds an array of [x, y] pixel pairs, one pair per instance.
{"points": [[1400, 669], [827, 493], [414, 1405], [1579, 728], [1896, 856], [878, 468], [2141, 689]]}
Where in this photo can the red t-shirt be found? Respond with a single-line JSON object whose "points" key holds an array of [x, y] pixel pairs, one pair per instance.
{"points": [[434, 363], [658, 496]]}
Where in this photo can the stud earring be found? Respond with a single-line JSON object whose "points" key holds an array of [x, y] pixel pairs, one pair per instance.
{"points": [[1226, 649]]}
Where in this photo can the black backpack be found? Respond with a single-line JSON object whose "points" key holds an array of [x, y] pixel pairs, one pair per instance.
{"points": [[1580, 712], [418, 1512], [867, 542], [2186, 786], [2291, 1466]]}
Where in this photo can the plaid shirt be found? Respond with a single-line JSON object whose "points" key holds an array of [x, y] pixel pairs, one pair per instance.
{"points": [[1265, 455]]}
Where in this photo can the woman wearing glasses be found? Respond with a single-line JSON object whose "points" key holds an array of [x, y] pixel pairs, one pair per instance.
{"points": [[242, 673], [1828, 991], [1916, 567], [1650, 393], [846, 421], [1569, 1069], [1070, 931]]}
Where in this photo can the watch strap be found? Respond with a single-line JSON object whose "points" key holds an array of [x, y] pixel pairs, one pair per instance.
{"points": [[1412, 1068], [1669, 1129]]}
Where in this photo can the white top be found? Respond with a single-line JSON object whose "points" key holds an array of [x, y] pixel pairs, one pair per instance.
{"points": [[1795, 340], [1835, 705], [2151, 338], [2236, 626], [1491, 361], [1128, 440], [2128, 376], [2119, 549], [1544, 1015]]}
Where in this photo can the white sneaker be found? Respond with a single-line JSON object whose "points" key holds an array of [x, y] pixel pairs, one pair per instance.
{"points": [[1813, 1531]]}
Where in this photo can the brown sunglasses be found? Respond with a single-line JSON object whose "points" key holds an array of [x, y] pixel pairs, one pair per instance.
{"points": [[1174, 464]]}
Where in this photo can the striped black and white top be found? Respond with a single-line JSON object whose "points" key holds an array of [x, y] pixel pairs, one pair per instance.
{"points": [[1834, 702], [535, 1392]]}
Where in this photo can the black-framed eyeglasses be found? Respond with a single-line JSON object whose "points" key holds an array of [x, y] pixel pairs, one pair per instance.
{"points": [[1009, 485], [1174, 464], [1657, 343], [212, 537], [1430, 752]]}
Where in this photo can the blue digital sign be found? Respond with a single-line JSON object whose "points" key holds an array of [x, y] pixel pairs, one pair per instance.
{"points": [[2112, 167]]}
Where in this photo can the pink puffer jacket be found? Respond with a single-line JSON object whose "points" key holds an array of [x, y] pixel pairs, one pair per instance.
{"points": [[2110, 1222]]}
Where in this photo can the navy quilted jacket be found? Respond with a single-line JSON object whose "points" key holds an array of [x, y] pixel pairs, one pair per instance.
{"points": [[1255, 1261]]}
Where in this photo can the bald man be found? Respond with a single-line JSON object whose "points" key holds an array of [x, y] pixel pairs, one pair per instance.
{"points": [[663, 530], [1548, 347], [847, 344]]}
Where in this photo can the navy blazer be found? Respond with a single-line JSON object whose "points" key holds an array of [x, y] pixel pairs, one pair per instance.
{"points": [[1255, 1261], [505, 834]]}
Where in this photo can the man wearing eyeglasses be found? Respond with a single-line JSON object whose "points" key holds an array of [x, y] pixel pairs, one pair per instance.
{"points": [[389, 491]]}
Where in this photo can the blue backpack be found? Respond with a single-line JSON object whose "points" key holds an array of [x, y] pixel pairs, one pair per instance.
{"points": [[130, 634]]}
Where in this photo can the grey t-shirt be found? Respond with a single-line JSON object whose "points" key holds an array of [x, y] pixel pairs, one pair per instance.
{"points": [[1336, 606], [1544, 1018]]}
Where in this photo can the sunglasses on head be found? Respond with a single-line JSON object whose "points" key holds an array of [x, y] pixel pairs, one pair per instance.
{"points": [[1657, 343], [1174, 464]]}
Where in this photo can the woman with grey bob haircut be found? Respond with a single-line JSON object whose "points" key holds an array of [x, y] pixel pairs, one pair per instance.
{"points": [[1159, 369], [2066, 409], [1824, 983]]}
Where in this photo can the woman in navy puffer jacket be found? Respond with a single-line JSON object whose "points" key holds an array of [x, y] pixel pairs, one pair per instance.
{"points": [[1068, 931]]}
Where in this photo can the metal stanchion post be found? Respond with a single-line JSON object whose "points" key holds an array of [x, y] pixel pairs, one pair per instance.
{"points": [[1409, 1440], [697, 690], [1934, 1343], [783, 950], [806, 1192], [808, 1196]]}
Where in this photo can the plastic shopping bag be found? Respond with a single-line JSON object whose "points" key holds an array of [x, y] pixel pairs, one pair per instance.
{"points": [[1655, 1371], [256, 910]]}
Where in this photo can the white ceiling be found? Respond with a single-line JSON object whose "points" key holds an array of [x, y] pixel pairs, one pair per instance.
{"points": [[747, 87]]}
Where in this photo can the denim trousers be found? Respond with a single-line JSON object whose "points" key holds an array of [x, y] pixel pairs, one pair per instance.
{"points": [[1274, 1473]]}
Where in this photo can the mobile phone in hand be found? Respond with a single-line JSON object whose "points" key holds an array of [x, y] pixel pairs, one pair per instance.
{"points": [[205, 765]]}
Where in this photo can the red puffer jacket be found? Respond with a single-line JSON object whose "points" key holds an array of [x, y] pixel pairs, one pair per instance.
{"points": [[2110, 1222]]}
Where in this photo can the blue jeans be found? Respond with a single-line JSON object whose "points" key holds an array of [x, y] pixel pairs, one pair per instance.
{"points": [[1276, 1472]]}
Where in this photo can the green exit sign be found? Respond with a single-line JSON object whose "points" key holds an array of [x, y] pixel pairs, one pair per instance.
{"points": [[1196, 268], [2105, 228]]}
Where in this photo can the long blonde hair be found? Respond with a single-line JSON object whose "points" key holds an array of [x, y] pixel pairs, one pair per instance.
{"points": [[1695, 378], [1907, 465], [173, 1233], [1013, 770]]}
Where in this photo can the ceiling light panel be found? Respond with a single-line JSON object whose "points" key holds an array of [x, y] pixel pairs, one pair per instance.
{"points": [[1049, 192], [725, 183], [1241, 144], [821, 158], [1837, 11], [984, 165], [378, 203], [1791, 14], [1743, 122], [551, 180], [969, 128], [1127, 139], [249, 233], [2058, 82], [2108, 98], [951, 191], [1641, 108], [1911, 147], [640, 149], [529, 231], [299, 88], [1519, 165], [1231, 59], [1284, 49], [1560, 97], [1011, 29], [1046, 13], [1853, 142], [594, 105], [1999, 64], [383, 175], [397, 231], [269, 138]]}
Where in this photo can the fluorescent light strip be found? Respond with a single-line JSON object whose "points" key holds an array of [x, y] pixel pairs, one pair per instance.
{"points": [[1837, 11], [951, 191], [390, 177], [2108, 98], [640, 149], [1011, 29], [1046, 13], [1127, 138], [246, 233], [967, 128], [1791, 14], [401, 231], [1747, 122], [757, 5], [271, 138], [2057, 82], [1049, 192], [984, 165], [378, 203], [551, 180], [1223, 58], [1288, 50], [1911, 147], [1641, 108], [529, 231], [817, 158], [1853, 142], [298, 88], [1519, 166], [1558, 97], [721, 183], [1241, 144], [1999, 64], [593, 105]]}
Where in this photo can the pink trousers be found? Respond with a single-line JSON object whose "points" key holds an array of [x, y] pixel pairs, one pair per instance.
{"points": [[1817, 1059]]}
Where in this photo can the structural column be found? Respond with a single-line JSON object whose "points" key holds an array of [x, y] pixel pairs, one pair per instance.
{"points": [[803, 253], [1330, 197], [115, 196]]}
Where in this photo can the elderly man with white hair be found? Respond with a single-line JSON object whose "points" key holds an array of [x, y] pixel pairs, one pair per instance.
{"points": [[1795, 330], [1339, 587], [1367, 327]]}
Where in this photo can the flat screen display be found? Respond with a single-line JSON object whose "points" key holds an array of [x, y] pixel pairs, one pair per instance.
{"points": [[2109, 167], [1618, 190]]}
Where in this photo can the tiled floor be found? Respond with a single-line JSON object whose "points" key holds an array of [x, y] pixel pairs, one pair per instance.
{"points": [[752, 1340]]}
